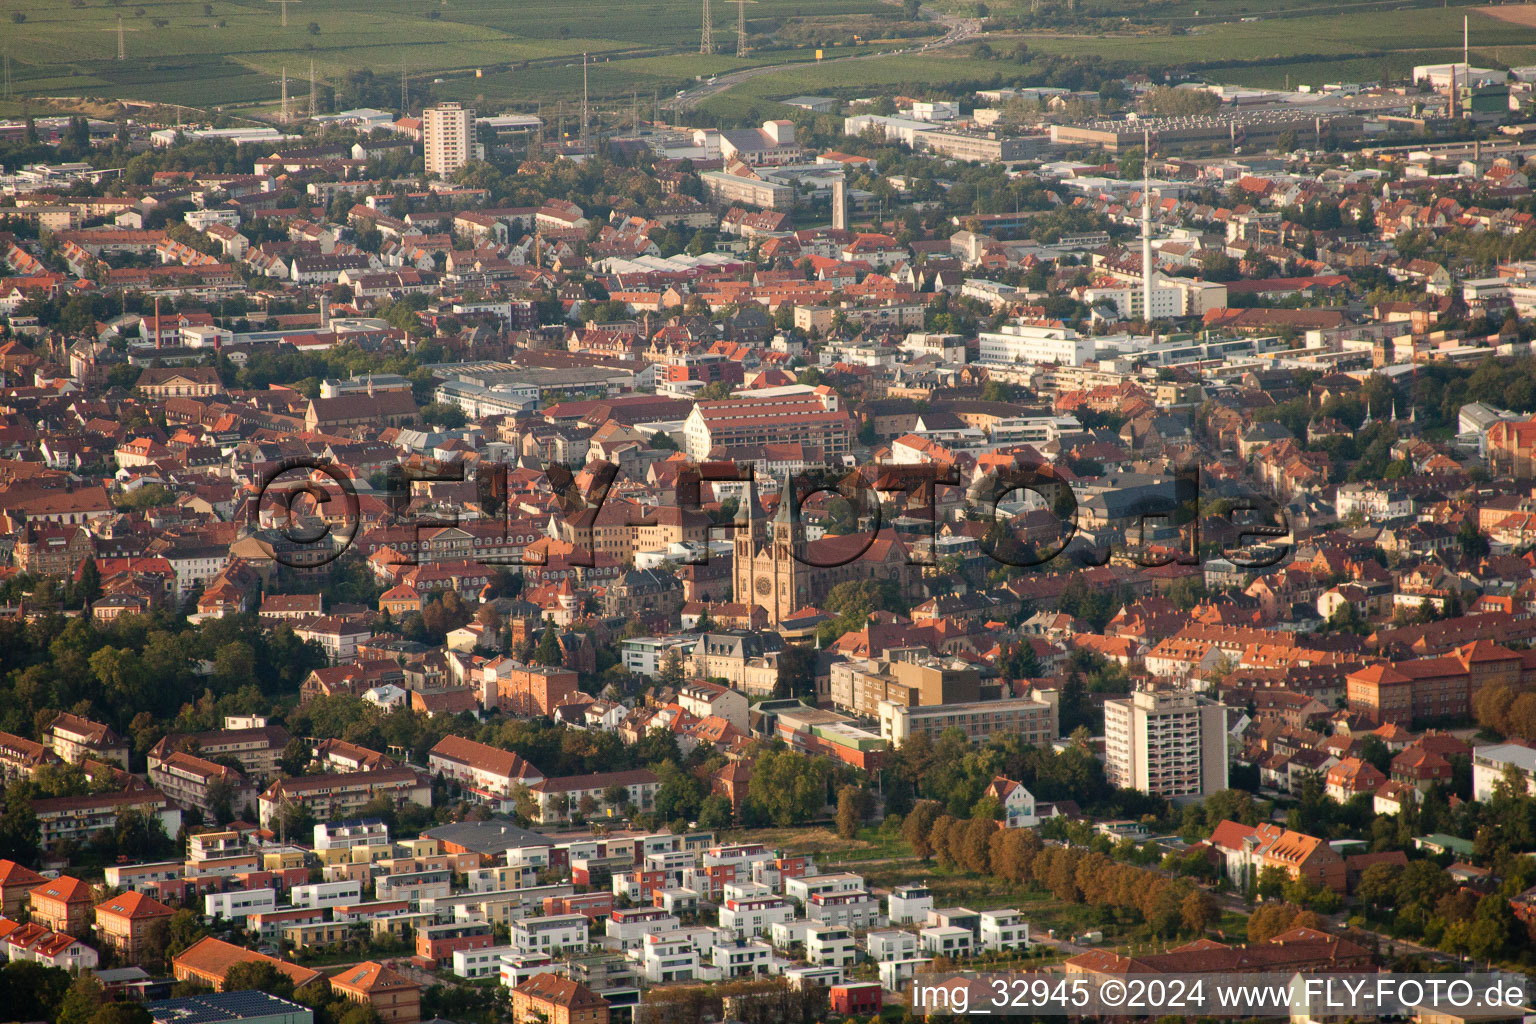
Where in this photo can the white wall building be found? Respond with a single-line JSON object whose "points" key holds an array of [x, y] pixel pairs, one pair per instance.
{"points": [[830, 946], [909, 903], [326, 894], [748, 917], [890, 944], [448, 133], [1169, 743], [240, 904], [550, 934], [1490, 762], [1030, 343], [665, 958], [1003, 930]]}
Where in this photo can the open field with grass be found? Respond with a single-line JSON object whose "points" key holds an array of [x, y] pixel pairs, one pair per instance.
{"points": [[231, 52], [1272, 53]]}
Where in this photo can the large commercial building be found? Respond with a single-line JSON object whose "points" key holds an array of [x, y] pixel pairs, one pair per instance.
{"points": [[448, 132], [1035, 343], [739, 189], [1169, 743], [1258, 127], [982, 146], [803, 418], [1033, 720]]}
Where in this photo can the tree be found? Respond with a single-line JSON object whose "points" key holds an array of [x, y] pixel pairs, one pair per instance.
{"points": [[918, 825], [548, 651], [1198, 910], [258, 976], [974, 846], [796, 673], [122, 1013], [441, 414], [852, 802], [82, 1001], [616, 797], [789, 787], [671, 673], [313, 28], [1470, 539], [715, 812]]}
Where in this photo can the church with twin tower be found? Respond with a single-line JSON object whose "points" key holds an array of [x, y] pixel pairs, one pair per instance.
{"points": [[776, 567]]}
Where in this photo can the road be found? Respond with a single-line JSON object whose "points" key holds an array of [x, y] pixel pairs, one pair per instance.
{"points": [[959, 30]]}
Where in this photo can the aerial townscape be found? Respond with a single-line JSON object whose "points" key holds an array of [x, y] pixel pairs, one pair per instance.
{"points": [[625, 528]]}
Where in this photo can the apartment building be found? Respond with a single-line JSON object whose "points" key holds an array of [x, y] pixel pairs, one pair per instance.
{"points": [[326, 894], [861, 685], [562, 799], [628, 927], [1003, 930], [239, 904], [558, 1000], [334, 797], [1169, 743], [947, 941], [664, 958], [393, 996], [488, 774], [218, 791], [1025, 342], [448, 131], [550, 934], [19, 756], [795, 417], [80, 818], [890, 944], [438, 942], [1249, 849], [908, 904], [830, 945], [75, 739], [754, 916], [1033, 719], [363, 833], [258, 747], [858, 910], [415, 886]]}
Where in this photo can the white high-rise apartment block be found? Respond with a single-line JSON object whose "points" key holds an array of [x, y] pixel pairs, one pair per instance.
{"points": [[1034, 343], [1170, 743], [448, 130]]}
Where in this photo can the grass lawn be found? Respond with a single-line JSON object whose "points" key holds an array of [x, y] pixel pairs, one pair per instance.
{"points": [[231, 51], [1314, 48], [826, 844]]}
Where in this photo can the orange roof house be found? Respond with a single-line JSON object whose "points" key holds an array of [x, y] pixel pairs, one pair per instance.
{"points": [[557, 1000], [395, 998], [16, 881], [123, 923], [208, 960], [63, 904]]}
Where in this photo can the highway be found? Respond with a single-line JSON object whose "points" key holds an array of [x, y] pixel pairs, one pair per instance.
{"points": [[959, 30]]}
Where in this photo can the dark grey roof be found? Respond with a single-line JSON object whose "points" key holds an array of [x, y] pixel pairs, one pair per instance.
{"points": [[219, 1007], [491, 836]]}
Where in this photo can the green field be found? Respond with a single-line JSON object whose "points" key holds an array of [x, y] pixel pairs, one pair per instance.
{"points": [[230, 53], [234, 54]]}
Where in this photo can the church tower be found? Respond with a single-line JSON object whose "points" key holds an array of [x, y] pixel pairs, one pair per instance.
{"points": [[788, 548], [748, 535]]}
